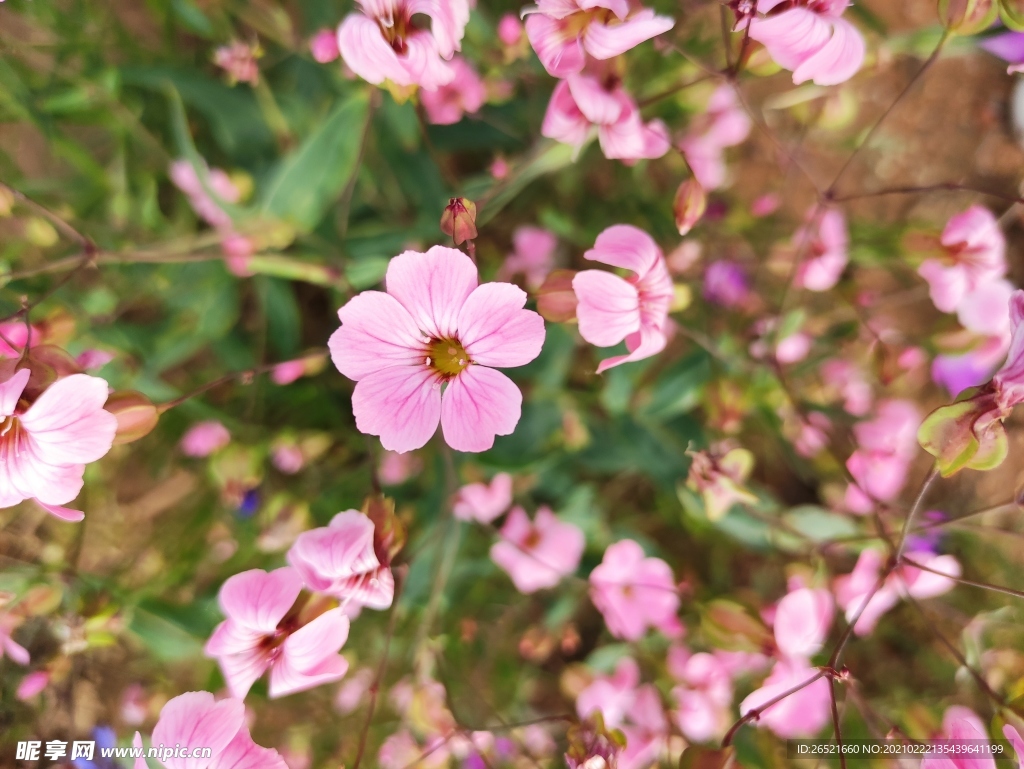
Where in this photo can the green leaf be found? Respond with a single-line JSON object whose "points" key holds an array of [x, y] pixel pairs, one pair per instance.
{"points": [[309, 180]]}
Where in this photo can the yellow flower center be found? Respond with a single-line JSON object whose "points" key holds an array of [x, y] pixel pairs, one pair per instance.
{"points": [[448, 357]]}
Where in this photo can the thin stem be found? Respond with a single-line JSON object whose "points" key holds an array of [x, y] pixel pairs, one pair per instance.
{"points": [[835, 721], [932, 476], [940, 187], [962, 581], [753, 715]]}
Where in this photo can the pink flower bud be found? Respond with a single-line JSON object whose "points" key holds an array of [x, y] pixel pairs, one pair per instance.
{"points": [[324, 46], [690, 204], [459, 220]]}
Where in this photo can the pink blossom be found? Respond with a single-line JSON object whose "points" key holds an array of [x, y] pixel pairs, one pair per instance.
{"points": [[186, 178], [826, 249], [887, 445], [262, 633], [238, 59], [613, 696], [196, 719], [725, 284], [499, 168], [395, 469], [766, 204], [1009, 380], [612, 309], [646, 730], [849, 380], [464, 94], [324, 46], [725, 123], [802, 621], [704, 695], [16, 333], [984, 310], [341, 560], [382, 43], [801, 714], [853, 589], [237, 252], [8, 646], [204, 438], [537, 554], [92, 359], [436, 327], [811, 38], [510, 29], [563, 32], [583, 101], [45, 446], [957, 372], [484, 502], [134, 707], [289, 371], [1013, 737], [634, 592], [813, 434], [352, 690], [961, 725], [975, 255], [533, 255], [32, 684], [287, 457]]}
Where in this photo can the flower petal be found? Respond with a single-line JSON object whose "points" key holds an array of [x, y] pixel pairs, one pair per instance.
{"points": [[838, 61], [243, 753], [479, 404], [623, 245], [605, 41], [560, 51], [68, 424], [309, 656], [401, 405], [563, 120], [495, 329], [194, 718], [376, 332], [597, 104], [424, 64], [258, 600], [11, 390], [433, 287], [642, 344], [792, 36], [608, 309], [367, 53]]}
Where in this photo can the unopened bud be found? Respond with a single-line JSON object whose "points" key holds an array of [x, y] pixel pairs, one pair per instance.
{"points": [[1012, 14], [136, 415], [967, 17], [459, 220], [691, 203], [556, 301]]}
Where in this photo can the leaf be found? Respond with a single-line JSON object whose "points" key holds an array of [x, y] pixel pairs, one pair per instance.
{"points": [[284, 323], [310, 179]]}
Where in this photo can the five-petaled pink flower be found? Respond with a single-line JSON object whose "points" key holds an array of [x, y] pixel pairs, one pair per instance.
{"points": [[466, 93], [196, 719], [634, 592], [483, 502], [45, 445], [811, 38], [421, 354], [262, 631], [537, 554], [584, 101], [382, 43], [563, 32], [341, 561], [612, 309]]}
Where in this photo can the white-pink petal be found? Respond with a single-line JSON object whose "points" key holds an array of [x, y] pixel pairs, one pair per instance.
{"points": [[479, 404], [433, 287], [402, 405], [376, 332], [495, 329]]}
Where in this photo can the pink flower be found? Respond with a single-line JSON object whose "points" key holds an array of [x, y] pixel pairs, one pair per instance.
{"points": [[287, 457], [289, 371], [802, 621], [237, 251], [45, 446], [341, 561], [887, 445], [613, 696], [510, 29], [1013, 737], [583, 101], [802, 714], [352, 690], [813, 435], [563, 32], [465, 93], [725, 284], [854, 588], [537, 554], [976, 255], [8, 646], [16, 333], [533, 253], [646, 730], [92, 359], [704, 695], [239, 60], [196, 719], [261, 632], [32, 684], [811, 38], [633, 592], [484, 502], [499, 168], [826, 249], [984, 310], [725, 123], [848, 379], [1009, 380], [766, 204], [204, 438], [395, 469], [436, 327], [187, 179], [382, 43], [957, 372], [612, 309], [324, 46], [961, 725]]}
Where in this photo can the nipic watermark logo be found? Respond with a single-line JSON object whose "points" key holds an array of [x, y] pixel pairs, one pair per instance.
{"points": [[55, 750]]}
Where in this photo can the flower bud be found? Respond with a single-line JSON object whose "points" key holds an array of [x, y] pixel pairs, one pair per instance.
{"points": [[1012, 14], [967, 17], [324, 46], [459, 220], [691, 203], [136, 415], [556, 301]]}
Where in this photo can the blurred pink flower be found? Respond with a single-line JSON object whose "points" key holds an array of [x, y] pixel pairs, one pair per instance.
{"points": [[766, 204], [134, 707], [813, 434], [975, 255], [725, 123], [1009, 380], [484, 502], [1013, 737], [646, 730], [802, 621], [32, 684], [341, 561], [612, 309], [396, 469], [1008, 46], [195, 718], [238, 59], [886, 445], [725, 284], [436, 326], [92, 359], [985, 309], [8, 647], [848, 379], [801, 714], [613, 696], [537, 554], [324, 46], [583, 101], [352, 690], [289, 371], [464, 94], [634, 592], [958, 371], [533, 253], [204, 438], [563, 32], [510, 29], [499, 168], [811, 38], [382, 43], [237, 251], [186, 179], [261, 633], [45, 447], [704, 696], [961, 726], [287, 457], [825, 249], [16, 333]]}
